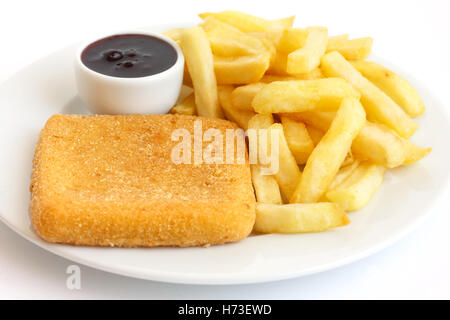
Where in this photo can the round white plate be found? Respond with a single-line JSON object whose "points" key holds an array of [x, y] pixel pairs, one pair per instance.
{"points": [[407, 195]]}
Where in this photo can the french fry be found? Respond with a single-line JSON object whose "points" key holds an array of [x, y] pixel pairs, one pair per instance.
{"points": [[241, 117], [303, 95], [278, 64], [380, 145], [318, 119], [312, 75], [314, 133], [292, 39], [269, 46], [276, 28], [241, 70], [343, 173], [299, 217], [242, 21], [199, 60], [378, 105], [322, 120], [349, 159], [174, 34], [268, 78], [307, 57], [354, 49], [283, 22], [395, 86], [260, 121], [414, 153], [186, 106], [246, 22], [277, 72], [327, 157], [288, 174], [356, 191], [228, 41], [242, 96], [184, 93], [266, 187], [338, 37], [298, 139], [375, 142], [187, 80]]}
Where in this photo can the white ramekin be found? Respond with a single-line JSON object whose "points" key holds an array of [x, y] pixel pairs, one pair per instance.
{"points": [[104, 94]]}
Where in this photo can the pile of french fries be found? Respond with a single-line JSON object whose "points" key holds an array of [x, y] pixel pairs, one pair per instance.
{"points": [[341, 120]]}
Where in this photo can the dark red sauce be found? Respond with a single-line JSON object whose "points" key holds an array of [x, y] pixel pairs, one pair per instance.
{"points": [[129, 56]]}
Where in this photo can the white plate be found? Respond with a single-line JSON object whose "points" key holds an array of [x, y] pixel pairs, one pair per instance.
{"points": [[408, 194]]}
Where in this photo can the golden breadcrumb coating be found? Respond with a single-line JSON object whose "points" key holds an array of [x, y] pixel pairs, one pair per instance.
{"points": [[110, 181]]}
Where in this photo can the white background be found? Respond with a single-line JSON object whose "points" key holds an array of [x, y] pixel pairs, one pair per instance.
{"points": [[411, 34]]}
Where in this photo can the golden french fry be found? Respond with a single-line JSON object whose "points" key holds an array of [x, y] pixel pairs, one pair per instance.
{"points": [[322, 120], [242, 21], [414, 153], [241, 117], [187, 80], [380, 145], [354, 49], [242, 96], [303, 95], [343, 173], [246, 22], [199, 60], [378, 105], [276, 28], [260, 121], [184, 93], [349, 159], [269, 46], [338, 37], [307, 57], [186, 106], [283, 22], [318, 119], [266, 187], [241, 70], [256, 123], [228, 41], [299, 217], [278, 64], [314, 133], [375, 142], [288, 174], [327, 157], [312, 75], [174, 34], [298, 139], [268, 78], [395, 86], [356, 191], [292, 39]]}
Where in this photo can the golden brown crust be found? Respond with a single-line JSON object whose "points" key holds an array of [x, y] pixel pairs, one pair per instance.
{"points": [[110, 181]]}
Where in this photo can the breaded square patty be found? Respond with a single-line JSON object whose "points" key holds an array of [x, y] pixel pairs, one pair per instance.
{"points": [[110, 181]]}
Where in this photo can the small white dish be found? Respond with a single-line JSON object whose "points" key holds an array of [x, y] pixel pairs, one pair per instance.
{"points": [[104, 94]]}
